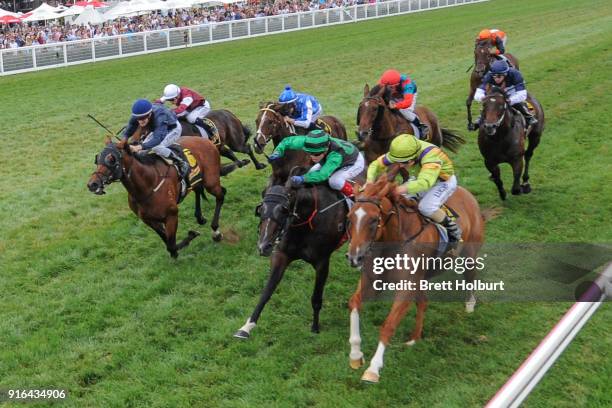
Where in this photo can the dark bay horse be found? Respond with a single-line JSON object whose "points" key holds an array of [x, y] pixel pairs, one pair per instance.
{"points": [[482, 62], [501, 139], [233, 136], [378, 216], [378, 125], [272, 126], [307, 224], [154, 188]]}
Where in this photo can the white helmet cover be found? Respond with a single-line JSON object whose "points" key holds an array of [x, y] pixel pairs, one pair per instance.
{"points": [[171, 91]]}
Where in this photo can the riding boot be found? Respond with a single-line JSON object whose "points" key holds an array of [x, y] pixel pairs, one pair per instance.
{"points": [[453, 230], [522, 107], [199, 122], [423, 128], [183, 166], [349, 193]]}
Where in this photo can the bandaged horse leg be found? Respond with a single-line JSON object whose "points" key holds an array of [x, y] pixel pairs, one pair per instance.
{"points": [[279, 263], [397, 313], [356, 359]]}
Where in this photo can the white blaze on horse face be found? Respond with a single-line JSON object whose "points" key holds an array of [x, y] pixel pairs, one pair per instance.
{"points": [[355, 337], [261, 122], [360, 214]]}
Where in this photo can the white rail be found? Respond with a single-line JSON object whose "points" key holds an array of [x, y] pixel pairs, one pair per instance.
{"points": [[34, 58], [527, 376]]}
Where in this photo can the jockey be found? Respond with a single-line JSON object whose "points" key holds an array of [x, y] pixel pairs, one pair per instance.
{"points": [[403, 97], [304, 109], [164, 130], [189, 104], [498, 40], [335, 160], [511, 81], [435, 183]]}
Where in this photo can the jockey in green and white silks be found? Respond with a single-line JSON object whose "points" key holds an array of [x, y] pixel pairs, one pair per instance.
{"points": [[336, 161], [435, 183]]}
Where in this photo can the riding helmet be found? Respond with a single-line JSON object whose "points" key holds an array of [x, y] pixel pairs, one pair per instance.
{"points": [[171, 91], [390, 77], [142, 107], [287, 96], [403, 148], [317, 142], [500, 67]]}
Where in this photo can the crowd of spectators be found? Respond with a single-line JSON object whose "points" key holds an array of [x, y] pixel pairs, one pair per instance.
{"points": [[25, 34]]}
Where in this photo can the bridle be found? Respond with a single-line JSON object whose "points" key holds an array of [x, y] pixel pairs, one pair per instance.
{"points": [[117, 170], [261, 134], [499, 121], [379, 104]]}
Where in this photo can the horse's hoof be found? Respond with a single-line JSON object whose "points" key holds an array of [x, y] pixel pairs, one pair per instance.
{"points": [[244, 162], [315, 329], [174, 255], [260, 166], [370, 377], [201, 221], [217, 236], [241, 334], [356, 364], [516, 191], [503, 195], [410, 343], [469, 307], [192, 234], [526, 188]]}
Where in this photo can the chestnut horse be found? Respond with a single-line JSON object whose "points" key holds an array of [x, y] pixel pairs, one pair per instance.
{"points": [[378, 125], [482, 62], [271, 125], [379, 216], [501, 139], [154, 187]]}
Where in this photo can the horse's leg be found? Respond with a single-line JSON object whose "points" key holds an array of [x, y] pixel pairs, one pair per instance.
{"points": [[417, 333], [248, 149], [219, 193], [397, 313], [534, 141], [171, 225], [228, 153], [495, 177], [356, 359], [279, 263], [517, 170], [158, 227], [316, 300], [468, 105], [199, 193]]}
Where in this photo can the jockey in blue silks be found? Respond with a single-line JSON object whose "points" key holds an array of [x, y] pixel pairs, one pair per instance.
{"points": [[164, 130], [304, 109]]}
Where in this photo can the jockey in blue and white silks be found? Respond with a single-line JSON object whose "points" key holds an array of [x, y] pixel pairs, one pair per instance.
{"points": [[304, 109]]}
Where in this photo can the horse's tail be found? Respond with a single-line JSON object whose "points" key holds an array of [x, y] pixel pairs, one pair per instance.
{"points": [[227, 169], [452, 140]]}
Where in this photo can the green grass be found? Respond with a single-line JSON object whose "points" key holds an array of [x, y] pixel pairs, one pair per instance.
{"points": [[92, 303]]}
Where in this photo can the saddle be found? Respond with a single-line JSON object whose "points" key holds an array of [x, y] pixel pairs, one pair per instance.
{"points": [[324, 126], [193, 177], [214, 137]]}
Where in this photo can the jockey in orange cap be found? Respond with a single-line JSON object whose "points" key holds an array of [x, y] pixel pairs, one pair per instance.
{"points": [[403, 97], [498, 40]]}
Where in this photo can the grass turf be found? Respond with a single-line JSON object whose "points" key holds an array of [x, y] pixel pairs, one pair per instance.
{"points": [[92, 303]]}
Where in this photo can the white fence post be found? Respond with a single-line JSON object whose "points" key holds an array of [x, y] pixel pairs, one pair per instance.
{"points": [[93, 50], [144, 41], [120, 46], [65, 54], [1, 62]]}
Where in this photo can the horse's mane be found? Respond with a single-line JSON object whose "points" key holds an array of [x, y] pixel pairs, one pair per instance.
{"points": [[146, 158], [494, 89], [375, 90]]}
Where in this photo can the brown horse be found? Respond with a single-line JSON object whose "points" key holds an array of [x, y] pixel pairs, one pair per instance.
{"points": [[154, 187], [501, 139], [378, 216], [233, 136], [378, 125], [482, 62], [271, 125]]}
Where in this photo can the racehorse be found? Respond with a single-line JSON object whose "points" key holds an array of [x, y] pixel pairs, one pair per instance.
{"points": [[378, 125], [271, 125], [378, 216], [501, 139], [154, 187], [232, 136], [482, 62], [307, 224]]}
